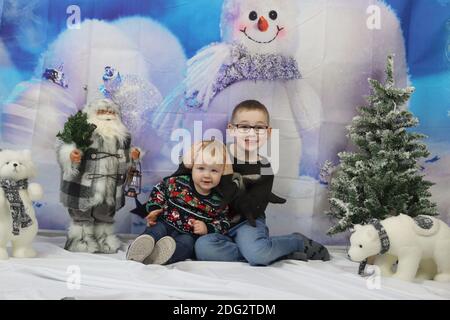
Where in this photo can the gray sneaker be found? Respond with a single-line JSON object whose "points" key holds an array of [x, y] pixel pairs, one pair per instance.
{"points": [[297, 255], [163, 251], [313, 250], [141, 248]]}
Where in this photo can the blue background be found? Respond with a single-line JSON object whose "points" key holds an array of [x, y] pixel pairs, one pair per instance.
{"points": [[27, 27], [425, 24]]}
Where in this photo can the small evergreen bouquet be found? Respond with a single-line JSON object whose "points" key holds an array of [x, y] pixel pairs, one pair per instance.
{"points": [[78, 131]]}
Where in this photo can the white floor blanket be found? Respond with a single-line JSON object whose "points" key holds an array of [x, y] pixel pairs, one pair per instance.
{"points": [[54, 275]]}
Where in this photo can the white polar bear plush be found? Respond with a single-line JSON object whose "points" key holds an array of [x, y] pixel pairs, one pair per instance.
{"points": [[18, 222], [414, 242]]}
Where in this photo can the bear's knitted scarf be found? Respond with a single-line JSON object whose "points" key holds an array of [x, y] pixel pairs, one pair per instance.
{"points": [[248, 66], [19, 216], [385, 243]]}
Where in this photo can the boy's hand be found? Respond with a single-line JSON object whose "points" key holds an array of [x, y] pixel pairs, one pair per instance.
{"points": [[200, 228], [152, 217]]}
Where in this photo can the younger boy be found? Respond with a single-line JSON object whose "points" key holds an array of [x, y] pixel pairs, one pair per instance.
{"points": [[182, 208]]}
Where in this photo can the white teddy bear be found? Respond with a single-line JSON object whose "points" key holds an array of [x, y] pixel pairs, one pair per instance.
{"points": [[420, 244], [18, 222]]}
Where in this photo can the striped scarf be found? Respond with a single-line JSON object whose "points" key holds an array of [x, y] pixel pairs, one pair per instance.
{"points": [[19, 216], [385, 244]]}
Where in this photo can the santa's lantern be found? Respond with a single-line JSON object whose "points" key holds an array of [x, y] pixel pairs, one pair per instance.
{"points": [[133, 185]]}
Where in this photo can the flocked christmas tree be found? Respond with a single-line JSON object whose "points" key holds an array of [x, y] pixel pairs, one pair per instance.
{"points": [[383, 178]]}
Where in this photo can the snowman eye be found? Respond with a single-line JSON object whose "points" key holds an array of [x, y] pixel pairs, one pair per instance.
{"points": [[273, 15], [253, 16], [7, 163], [360, 246]]}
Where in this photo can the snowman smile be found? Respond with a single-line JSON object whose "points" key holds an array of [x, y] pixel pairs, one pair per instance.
{"points": [[244, 31]]}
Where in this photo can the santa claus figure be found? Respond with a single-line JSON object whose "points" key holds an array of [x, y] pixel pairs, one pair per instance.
{"points": [[93, 180]]}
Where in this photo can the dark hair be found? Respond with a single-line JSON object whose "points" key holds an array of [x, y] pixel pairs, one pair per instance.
{"points": [[250, 105]]}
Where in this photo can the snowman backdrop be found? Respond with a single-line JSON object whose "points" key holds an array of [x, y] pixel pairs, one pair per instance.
{"points": [[169, 63]]}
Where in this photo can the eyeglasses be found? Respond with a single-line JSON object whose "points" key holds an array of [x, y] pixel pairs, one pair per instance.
{"points": [[245, 128]]}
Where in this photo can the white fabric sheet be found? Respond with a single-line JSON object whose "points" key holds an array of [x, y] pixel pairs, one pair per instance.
{"points": [[112, 277]]}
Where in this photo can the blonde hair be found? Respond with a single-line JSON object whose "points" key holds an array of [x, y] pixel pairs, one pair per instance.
{"points": [[215, 150]]}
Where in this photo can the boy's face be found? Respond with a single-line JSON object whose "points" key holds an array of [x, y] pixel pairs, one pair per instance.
{"points": [[206, 174], [251, 129]]}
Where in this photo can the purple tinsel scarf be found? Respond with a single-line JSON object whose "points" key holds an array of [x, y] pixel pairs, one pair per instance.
{"points": [[246, 66]]}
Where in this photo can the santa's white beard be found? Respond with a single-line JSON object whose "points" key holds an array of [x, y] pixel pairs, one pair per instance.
{"points": [[109, 128], [109, 136]]}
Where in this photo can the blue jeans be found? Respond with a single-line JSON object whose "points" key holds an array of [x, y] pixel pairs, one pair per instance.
{"points": [[184, 241], [246, 243]]}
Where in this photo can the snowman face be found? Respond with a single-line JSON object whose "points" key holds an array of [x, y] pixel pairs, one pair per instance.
{"points": [[262, 26]]}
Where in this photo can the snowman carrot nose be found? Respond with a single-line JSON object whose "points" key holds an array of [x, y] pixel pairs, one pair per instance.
{"points": [[263, 25]]}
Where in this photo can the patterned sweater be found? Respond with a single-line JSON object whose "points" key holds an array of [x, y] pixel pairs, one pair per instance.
{"points": [[248, 198], [182, 204]]}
